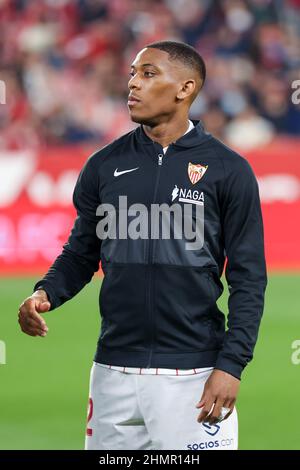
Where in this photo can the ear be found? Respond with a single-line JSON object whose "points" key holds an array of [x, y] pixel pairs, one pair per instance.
{"points": [[187, 89]]}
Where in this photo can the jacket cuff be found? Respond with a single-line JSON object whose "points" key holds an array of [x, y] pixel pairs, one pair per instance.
{"points": [[230, 366], [49, 291]]}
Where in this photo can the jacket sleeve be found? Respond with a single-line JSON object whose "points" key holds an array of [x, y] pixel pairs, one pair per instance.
{"points": [[80, 255], [245, 269]]}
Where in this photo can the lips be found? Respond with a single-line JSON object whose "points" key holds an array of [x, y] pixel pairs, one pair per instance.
{"points": [[132, 100]]}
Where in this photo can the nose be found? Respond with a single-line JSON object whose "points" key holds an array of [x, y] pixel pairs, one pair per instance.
{"points": [[134, 82]]}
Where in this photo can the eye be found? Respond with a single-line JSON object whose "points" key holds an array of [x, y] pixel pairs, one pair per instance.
{"points": [[131, 74], [149, 74]]}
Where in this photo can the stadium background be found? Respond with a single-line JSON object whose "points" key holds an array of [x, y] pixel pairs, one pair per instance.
{"points": [[65, 65]]}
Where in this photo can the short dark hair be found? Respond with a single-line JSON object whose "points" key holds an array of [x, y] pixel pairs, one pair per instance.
{"points": [[183, 52]]}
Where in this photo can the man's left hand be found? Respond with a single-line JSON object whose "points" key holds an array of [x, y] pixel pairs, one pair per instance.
{"points": [[220, 390]]}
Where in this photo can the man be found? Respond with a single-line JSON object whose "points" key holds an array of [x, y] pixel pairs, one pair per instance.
{"points": [[166, 374]]}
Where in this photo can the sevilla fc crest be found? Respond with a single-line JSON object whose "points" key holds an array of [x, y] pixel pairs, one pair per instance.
{"points": [[196, 172]]}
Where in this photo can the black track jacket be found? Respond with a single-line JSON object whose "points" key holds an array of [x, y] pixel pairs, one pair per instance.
{"points": [[158, 299]]}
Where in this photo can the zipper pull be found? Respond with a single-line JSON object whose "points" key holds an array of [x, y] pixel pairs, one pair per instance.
{"points": [[160, 157]]}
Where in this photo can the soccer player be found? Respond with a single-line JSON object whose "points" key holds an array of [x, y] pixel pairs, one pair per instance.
{"points": [[166, 373]]}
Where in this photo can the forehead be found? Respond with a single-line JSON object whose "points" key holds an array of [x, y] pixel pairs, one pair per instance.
{"points": [[155, 57]]}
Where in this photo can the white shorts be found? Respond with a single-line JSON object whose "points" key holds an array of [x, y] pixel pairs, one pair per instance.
{"points": [[152, 412]]}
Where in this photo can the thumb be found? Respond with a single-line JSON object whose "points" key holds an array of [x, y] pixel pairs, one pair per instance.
{"points": [[201, 402], [43, 306]]}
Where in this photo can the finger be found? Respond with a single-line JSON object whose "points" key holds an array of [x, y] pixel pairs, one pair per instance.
{"points": [[204, 398], [27, 318], [33, 323], [43, 307], [213, 417], [206, 409], [29, 305], [29, 332], [27, 321], [33, 331], [201, 402], [30, 324], [28, 309], [229, 404]]}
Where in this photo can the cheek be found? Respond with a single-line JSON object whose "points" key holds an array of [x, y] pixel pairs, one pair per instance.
{"points": [[166, 101], [162, 97], [161, 91], [168, 93]]}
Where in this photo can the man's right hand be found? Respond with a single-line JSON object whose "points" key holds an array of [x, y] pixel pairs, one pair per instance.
{"points": [[30, 320]]}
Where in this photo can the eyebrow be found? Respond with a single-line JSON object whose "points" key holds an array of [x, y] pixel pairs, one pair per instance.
{"points": [[145, 65]]}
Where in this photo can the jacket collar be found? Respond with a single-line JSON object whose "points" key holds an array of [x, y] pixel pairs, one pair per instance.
{"points": [[195, 137]]}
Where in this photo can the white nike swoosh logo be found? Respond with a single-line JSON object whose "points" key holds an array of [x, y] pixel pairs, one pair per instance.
{"points": [[119, 173]]}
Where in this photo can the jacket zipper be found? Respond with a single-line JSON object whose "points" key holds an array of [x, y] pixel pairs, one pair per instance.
{"points": [[150, 261]]}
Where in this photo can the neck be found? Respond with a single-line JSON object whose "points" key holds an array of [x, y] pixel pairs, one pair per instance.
{"points": [[167, 132]]}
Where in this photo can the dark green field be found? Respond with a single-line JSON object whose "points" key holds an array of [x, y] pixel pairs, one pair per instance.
{"points": [[44, 384]]}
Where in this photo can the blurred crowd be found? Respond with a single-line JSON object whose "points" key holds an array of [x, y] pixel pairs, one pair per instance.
{"points": [[65, 64]]}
